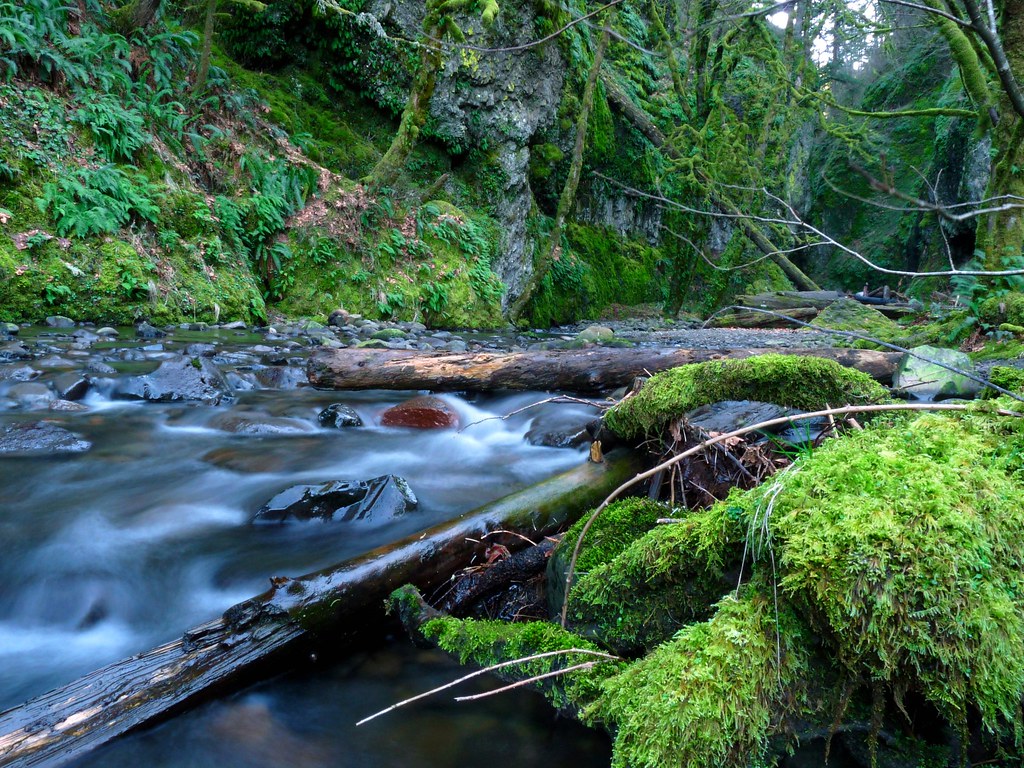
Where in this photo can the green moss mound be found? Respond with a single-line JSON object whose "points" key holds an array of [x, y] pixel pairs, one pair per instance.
{"points": [[850, 315], [713, 695], [903, 546], [807, 383], [666, 578], [1006, 377], [1008, 308]]}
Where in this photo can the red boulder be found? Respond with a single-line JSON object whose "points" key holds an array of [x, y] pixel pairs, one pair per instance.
{"points": [[423, 412]]}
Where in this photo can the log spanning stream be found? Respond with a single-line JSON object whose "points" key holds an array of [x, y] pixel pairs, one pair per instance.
{"points": [[110, 551]]}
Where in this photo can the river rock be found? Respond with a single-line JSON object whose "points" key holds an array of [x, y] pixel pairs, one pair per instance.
{"points": [[377, 500], [730, 415], [339, 416], [10, 329], [183, 378], [147, 331], [40, 438], [423, 412], [30, 394], [59, 321], [14, 350], [596, 334], [71, 386], [556, 431], [924, 380], [18, 373], [281, 377], [259, 424]]}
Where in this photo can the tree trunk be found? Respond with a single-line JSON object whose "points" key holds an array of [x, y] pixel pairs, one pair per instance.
{"points": [[330, 607], [204, 57], [572, 182], [579, 370], [414, 116]]}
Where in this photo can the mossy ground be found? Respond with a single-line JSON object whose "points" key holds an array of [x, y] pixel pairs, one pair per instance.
{"points": [[798, 382]]}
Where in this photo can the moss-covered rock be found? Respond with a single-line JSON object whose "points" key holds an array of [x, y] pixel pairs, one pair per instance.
{"points": [[851, 315], [1008, 308], [797, 382], [1006, 377]]}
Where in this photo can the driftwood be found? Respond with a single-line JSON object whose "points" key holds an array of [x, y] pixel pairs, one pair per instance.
{"points": [[780, 301], [470, 588], [577, 370], [335, 604]]}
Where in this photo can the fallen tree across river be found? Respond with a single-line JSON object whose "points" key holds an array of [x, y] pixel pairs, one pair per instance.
{"points": [[335, 604], [579, 370]]}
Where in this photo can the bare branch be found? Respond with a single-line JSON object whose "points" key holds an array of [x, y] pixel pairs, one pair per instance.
{"points": [[487, 670], [529, 681]]}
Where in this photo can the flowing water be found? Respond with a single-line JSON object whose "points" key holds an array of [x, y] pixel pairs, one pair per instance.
{"points": [[112, 551]]}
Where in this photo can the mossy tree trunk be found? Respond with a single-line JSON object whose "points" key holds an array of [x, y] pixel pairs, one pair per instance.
{"points": [[414, 116], [572, 182], [204, 56]]}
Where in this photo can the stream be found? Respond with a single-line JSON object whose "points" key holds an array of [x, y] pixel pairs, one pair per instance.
{"points": [[109, 551]]}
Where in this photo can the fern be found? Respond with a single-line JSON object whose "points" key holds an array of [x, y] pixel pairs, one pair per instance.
{"points": [[97, 201]]}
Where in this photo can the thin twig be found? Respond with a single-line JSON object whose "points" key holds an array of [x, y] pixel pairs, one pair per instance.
{"points": [[556, 399], [529, 681], [739, 433], [484, 671]]}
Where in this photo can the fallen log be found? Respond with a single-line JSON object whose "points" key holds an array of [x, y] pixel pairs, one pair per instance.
{"points": [[575, 370], [294, 615], [783, 300], [741, 319]]}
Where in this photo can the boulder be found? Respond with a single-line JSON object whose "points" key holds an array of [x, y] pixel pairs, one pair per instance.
{"points": [[557, 431], [147, 331], [30, 394], [40, 438], [183, 378], [423, 412], [59, 321], [596, 334], [339, 416], [370, 501], [70, 386], [925, 380]]}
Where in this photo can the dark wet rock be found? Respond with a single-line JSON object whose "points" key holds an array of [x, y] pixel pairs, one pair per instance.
{"points": [[259, 424], [30, 394], [378, 500], [17, 373], [184, 378], [556, 431], [70, 386], [67, 406], [926, 380], [10, 329], [423, 412], [40, 438], [147, 331], [730, 415], [201, 350], [339, 318], [339, 416], [59, 321]]}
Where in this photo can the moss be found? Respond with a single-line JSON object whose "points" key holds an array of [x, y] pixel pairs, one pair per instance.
{"points": [[714, 695], [621, 523], [1006, 377], [663, 580], [601, 268], [903, 546], [850, 315], [1008, 308], [808, 383], [490, 642]]}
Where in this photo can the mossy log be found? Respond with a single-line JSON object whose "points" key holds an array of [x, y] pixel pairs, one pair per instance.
{"points": [[576, 370], [784, 300], [293, 617]]}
